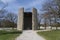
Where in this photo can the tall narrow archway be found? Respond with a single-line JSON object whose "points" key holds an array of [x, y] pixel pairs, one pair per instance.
{"points": [[27, 23]]}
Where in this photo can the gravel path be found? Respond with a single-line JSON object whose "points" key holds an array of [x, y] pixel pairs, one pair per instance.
{"points": [[29, 35]]}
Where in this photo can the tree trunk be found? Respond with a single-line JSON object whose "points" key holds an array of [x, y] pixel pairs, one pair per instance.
{"points": [[45, 23], [39, 23], [50, 23]]}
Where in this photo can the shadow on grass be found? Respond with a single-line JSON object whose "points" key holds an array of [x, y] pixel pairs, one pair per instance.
{"points": [[10, 32]]}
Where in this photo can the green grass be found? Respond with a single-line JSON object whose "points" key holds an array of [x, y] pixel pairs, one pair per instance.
{"points": [[50, 35], [9, 35]]}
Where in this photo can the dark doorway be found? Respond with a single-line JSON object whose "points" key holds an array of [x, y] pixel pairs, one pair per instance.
{"points": [[27, 21]]}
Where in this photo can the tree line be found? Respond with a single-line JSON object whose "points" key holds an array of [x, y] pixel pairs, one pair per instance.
{"points": [[51, 15], [7, 19]]}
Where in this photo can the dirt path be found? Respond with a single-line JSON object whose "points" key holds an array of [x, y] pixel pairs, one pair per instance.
{"points": [[29, 35]]}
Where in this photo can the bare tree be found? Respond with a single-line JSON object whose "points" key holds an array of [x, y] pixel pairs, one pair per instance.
{"points": [[58, 5], [2, 11], [40, 16], [11, 17], [51, 7], [45, 16], [2, 14]]}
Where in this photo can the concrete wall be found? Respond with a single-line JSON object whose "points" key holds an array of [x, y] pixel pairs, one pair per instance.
{"points": [[34, 19], [20, 19]]}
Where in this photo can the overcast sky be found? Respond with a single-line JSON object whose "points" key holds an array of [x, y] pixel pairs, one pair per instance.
{"points": [[14, 5]]}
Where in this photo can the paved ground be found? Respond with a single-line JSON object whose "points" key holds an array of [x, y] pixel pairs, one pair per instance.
{"points": [[29, 35]]}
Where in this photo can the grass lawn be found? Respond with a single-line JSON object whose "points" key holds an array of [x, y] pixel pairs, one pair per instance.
{"points": [[9, 35], [50, 35]]}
